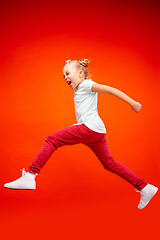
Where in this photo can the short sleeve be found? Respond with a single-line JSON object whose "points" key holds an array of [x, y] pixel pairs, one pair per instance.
{"points": [[89, 84]]}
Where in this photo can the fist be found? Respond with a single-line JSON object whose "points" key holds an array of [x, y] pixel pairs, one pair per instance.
{"points": [[136, 106]]}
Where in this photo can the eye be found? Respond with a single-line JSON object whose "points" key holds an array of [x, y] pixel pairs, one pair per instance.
{"points": [[66, 74]]}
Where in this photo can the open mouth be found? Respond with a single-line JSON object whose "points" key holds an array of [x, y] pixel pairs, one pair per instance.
{"points": [[69, 82]]}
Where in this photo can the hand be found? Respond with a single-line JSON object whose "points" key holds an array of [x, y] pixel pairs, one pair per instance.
{"points": [[136, 106]]}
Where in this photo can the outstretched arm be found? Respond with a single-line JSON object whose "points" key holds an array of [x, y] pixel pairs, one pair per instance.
{"points": [[136, 106]]}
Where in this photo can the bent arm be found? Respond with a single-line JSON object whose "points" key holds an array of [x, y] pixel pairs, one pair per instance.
{"points": [[117, 93]]}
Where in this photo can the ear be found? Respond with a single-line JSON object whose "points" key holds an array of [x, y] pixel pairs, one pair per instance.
{"points": [[81, 72]]}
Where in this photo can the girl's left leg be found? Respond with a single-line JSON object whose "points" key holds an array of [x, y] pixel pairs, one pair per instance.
{"points": [[101, 150], [147, 191]]}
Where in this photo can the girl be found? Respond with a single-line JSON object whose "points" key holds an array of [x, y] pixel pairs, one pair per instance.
{"points": [[89, 130]]}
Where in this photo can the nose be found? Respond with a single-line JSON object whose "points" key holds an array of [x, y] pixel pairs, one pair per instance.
{"points": [[65, 78]]}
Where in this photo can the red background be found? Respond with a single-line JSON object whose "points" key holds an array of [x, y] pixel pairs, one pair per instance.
{"points": [[75, 197]]}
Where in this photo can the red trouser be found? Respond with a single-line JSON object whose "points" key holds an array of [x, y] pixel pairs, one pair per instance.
{"points": [[95, 141]]}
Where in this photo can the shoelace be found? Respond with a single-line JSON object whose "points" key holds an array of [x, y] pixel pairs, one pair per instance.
{"points": [[23, 171], [137, 190]]}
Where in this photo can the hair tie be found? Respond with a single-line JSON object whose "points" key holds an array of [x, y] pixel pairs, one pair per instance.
{"points": [[84, 62]]}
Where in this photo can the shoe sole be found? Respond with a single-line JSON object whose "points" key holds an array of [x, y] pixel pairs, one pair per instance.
{"points": [[21, 188]]}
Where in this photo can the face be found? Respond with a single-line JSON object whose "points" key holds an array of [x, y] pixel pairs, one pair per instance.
{"points": [[72, 75]]}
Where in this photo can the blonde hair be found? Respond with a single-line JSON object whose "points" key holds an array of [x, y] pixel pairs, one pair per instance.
{"points": [[81, 65]]}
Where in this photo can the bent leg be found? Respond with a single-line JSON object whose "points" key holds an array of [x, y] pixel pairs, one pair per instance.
{"points": [[102, 152], [68, 136]]}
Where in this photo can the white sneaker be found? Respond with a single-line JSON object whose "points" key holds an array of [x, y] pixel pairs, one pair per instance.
{"points": [[27, 181], [147, 193]]}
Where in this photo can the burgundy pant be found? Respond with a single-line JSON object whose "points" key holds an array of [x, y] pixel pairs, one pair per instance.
{"points": [[95, 141]]}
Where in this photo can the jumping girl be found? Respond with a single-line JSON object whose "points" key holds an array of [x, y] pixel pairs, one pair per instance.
{"points": [[89, 130]]}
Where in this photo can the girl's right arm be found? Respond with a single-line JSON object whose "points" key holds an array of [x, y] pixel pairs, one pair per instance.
{"points": [[136, 106]]}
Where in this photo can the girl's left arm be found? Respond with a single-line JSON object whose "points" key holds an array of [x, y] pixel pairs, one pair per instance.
{"points": [[136, 106]]}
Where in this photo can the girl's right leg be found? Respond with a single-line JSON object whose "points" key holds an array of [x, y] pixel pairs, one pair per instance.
{"points": [[68, 136]]}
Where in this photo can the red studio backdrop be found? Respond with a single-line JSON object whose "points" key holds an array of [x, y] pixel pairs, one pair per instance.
{"points": [[76, 198]]}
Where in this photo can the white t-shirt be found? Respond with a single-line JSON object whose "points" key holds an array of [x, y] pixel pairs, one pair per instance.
{"points": [[85, 102]]}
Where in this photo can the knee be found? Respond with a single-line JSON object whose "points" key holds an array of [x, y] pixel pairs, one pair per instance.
{"points": [[51, 139], [109, 163]]}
